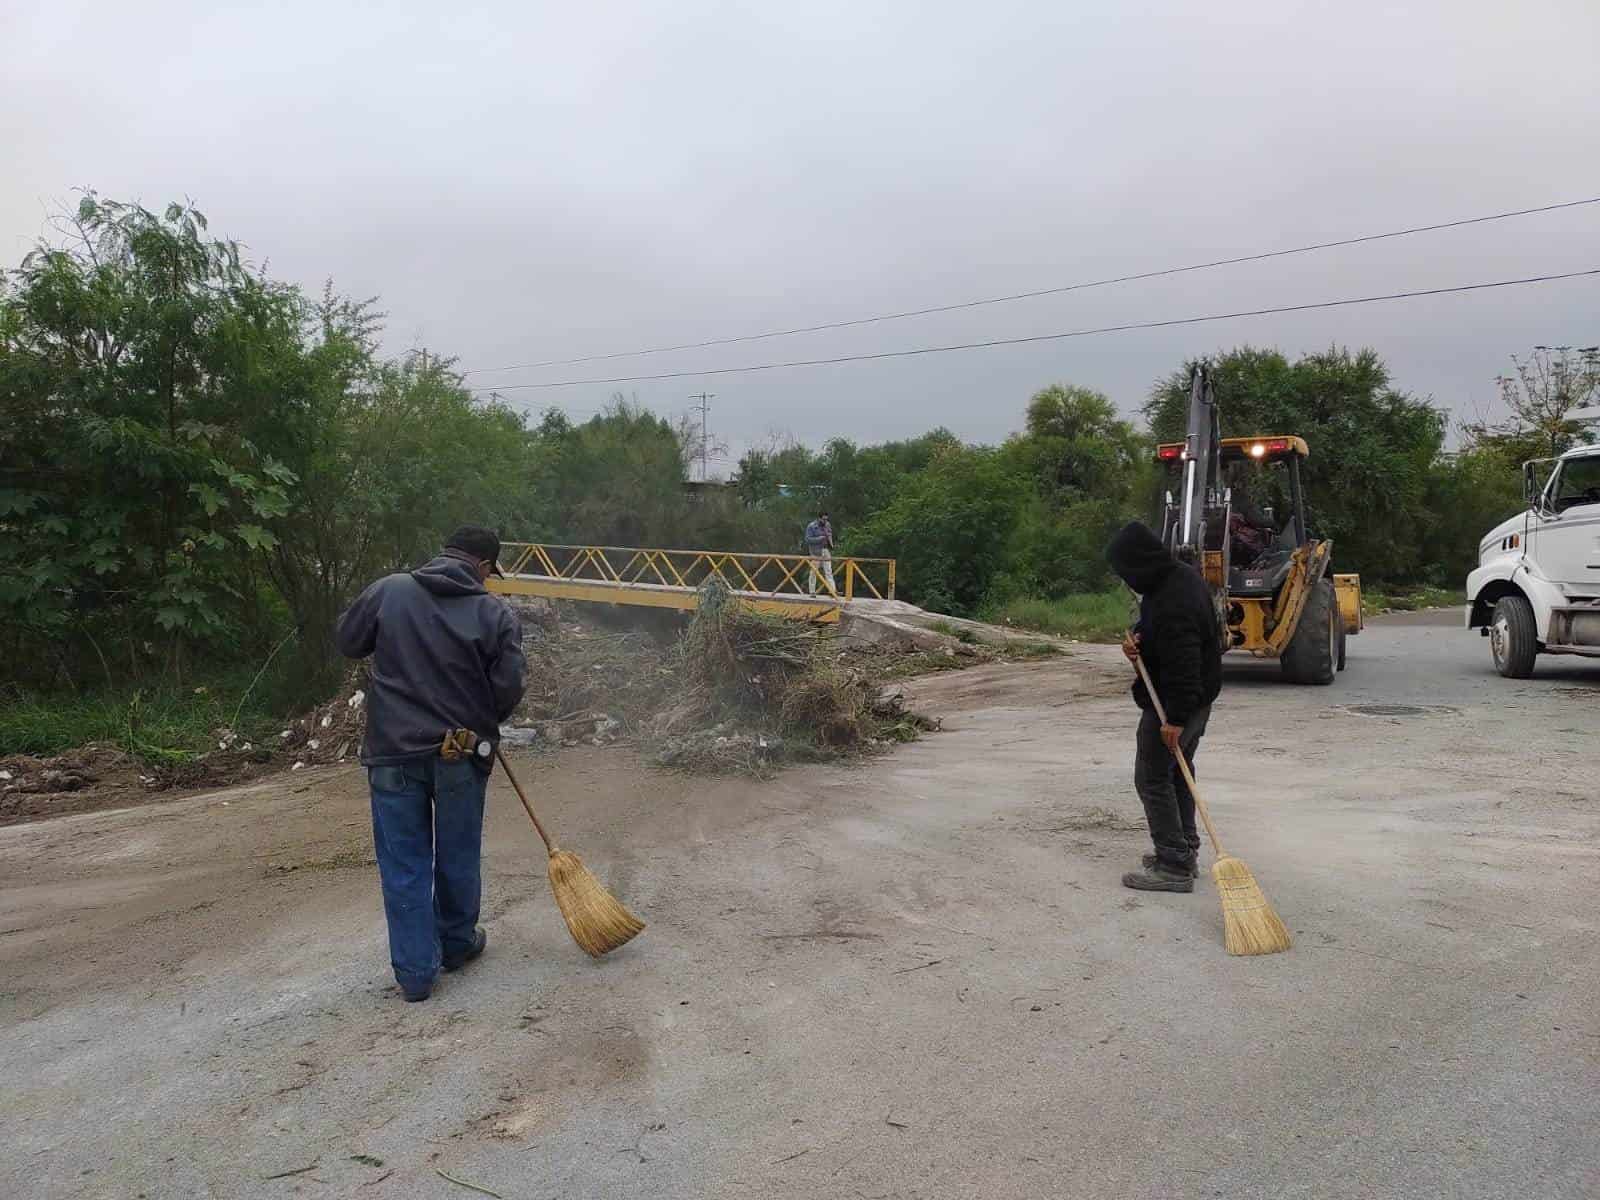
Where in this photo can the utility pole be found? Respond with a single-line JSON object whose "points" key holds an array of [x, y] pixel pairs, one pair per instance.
{"points": [[705, 399]]}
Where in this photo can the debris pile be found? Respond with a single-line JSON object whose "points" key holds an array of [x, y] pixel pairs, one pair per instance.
{"points": [[734, 691], [587, 685], [78, 779], [329, 733], [758, 690], [737, 691], [25, 775], [90, 775]]}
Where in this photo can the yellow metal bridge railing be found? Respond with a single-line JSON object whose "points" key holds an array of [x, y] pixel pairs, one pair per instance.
{"points": [[789, 583]]}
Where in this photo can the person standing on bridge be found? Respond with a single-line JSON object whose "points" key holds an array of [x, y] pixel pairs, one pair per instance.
{"points": [[819, 544], [447, 669], [1178, 638]]}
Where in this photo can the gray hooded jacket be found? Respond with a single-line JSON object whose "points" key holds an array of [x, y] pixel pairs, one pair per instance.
{"points": [[445, 655]]}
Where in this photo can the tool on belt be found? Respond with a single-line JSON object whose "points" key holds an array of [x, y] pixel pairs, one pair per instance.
{"points": [[463, 743]]}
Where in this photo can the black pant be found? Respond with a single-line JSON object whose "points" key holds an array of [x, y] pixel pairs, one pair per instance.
{"points": [[1168, 803]]}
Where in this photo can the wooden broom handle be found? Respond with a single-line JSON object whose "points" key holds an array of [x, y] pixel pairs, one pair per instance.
{"points": [[523, 796], [1183, 765]]}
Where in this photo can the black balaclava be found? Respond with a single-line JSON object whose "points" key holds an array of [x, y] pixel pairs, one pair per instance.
{"points": [[1138, 557]]}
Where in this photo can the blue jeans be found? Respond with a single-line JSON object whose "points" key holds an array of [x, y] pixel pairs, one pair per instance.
{"points": [[427, 829]]}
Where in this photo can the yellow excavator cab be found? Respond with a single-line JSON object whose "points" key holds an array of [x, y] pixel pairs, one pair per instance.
{"points": [[1278, 601]]}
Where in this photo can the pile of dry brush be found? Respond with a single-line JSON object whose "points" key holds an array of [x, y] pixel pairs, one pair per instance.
{"points": [[737, 691]]}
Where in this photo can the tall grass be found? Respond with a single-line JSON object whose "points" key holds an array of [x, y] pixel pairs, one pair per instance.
{"points": [[1088, 616], [1378, 598], [160, 723]]}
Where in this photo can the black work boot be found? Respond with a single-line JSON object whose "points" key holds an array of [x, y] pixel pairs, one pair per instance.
{"points": [[1159, 878], [1152, 860], [480, 939]]}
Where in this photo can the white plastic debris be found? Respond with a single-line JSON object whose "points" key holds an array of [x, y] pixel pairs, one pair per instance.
{"points": [[314, 744], [247, 747], [299, 766], [284, 735], [327, 720], [6, 775], [357, 698]]}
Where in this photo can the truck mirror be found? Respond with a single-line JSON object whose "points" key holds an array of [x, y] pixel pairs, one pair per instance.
{"points": [[1528, 492]]}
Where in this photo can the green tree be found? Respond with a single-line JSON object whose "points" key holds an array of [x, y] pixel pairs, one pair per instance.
{"points": [[1088, 468], [134, 503], [195, 456], [1469, 493], [950, 527], [1550, 396], [616, 480], [1077, 447], [389, 457]]}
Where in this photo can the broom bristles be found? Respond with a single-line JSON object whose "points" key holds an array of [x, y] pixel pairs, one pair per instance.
{"points": [[1249, 925], [597, 920]]}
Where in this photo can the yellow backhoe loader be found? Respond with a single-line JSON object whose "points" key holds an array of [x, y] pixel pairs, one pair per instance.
{"points": [[1275, 594]]}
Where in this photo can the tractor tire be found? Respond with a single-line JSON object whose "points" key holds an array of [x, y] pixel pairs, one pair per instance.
{"points": [[1513, 637], [1312, 655]]}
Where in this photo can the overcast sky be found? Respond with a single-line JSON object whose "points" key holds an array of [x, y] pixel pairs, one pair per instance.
{"points": [[529, 181]]}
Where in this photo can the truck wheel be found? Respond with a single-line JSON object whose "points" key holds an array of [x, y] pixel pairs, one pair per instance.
{"points": [[1312, 654], [1513, 637]]}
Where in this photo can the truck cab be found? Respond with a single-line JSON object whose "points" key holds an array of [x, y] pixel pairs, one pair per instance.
{"points": [[1536, 589]]}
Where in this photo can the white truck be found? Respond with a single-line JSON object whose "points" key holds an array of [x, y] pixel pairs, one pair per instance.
{"points": [[1537, 586]]}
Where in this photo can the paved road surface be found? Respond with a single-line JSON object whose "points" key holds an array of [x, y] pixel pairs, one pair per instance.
{"points": [[912, 978]]}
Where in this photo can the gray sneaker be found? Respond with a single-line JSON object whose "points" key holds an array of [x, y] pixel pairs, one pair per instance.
{"points": [[1151, 860], [1158, 879]]}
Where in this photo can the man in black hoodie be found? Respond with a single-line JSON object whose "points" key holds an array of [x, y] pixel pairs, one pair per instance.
{"points": [[446, 656], [1180, 642]]}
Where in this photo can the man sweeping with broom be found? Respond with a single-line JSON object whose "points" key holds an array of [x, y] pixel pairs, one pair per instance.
{"points": [[447, 670], [1180, 645]]}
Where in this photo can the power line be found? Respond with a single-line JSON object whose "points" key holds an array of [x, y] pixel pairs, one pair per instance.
{"points": [[1051, 291], [1050, 337]]}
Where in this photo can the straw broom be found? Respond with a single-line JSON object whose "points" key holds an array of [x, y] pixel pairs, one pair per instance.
{"points": [[1249, 926], [597, 920]]}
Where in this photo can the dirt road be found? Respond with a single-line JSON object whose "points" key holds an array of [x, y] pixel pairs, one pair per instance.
{"points": [[915, 977]]}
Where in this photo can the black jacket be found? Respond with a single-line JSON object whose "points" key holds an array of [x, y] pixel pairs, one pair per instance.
{"points": [[1179, 640], [445, 655]]}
